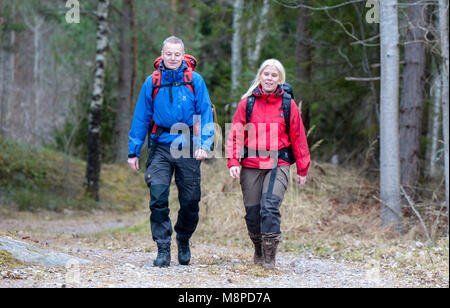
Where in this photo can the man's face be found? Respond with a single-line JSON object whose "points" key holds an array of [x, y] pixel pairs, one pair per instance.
{"points": [[172, 55]]}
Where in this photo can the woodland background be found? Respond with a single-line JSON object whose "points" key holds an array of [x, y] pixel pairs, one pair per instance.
{"points": [[331, 50]]}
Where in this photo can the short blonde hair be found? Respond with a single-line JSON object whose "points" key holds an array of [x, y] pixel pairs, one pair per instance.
{"points": [[269, 62]]}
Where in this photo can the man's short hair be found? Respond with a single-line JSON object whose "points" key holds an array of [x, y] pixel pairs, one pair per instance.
{"points": [[172, 40]]}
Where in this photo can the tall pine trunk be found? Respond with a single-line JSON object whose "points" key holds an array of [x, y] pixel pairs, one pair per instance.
{"points": [[389, 131], [443, 20], [123, 111], [1, 23], [94, 158], [411, 105], [236, 45], [236, 51], [303, 65]]}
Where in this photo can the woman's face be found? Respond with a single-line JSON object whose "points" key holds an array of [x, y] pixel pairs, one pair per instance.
{"points": [[270, 78]]}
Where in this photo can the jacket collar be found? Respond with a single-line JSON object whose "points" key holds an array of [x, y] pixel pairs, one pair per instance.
{"points": [[172, 75], [258, 92]]}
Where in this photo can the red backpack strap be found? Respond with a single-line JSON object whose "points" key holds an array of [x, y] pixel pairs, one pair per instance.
{"points": [[156, 82], [188, 79]]}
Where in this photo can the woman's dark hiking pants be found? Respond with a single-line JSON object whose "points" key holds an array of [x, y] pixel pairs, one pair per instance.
{"points": [[263, 193], [187, 178]]}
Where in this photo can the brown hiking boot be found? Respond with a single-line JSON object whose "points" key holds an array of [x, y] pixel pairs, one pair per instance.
{"points": [[269, 248], [258, 257]]}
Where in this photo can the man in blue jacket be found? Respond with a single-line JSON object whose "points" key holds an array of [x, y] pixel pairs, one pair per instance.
{"points": [[174, 110]]}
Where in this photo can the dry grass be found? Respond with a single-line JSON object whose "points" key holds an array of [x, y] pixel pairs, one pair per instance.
{"points": [[335, 215]]}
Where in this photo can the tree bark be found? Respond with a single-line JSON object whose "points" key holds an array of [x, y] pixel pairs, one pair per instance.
{"points": [[236, 52], [303, 59], [262, 29], [123, 111], [411, 104], [443, 20], [389, 132], [135, 56], [1, 22], [95, 114], [433, 133], [236, 45]]}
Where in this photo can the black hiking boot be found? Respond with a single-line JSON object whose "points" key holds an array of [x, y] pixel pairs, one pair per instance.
{"points": [[184, 252], [163, 258]]}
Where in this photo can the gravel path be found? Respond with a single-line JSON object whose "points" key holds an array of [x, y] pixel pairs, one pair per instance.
{"points": [[127, 262]]}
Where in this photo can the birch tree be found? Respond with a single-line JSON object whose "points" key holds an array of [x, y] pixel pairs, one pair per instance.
{"points": [[261, 32], [411, 104], [443, 25], [389, 132], [95, 114], [433, 133]]}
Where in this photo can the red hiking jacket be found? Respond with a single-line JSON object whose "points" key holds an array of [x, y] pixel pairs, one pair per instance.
{"points": [[267, 131]]}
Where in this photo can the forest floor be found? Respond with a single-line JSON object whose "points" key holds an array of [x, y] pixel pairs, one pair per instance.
{"points": [[122, 252], [332, 230]]}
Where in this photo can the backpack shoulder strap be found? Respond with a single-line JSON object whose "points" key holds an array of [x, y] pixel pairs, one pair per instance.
{"points": [[156, 82], [188, 79], [286, 105], [249, 109]]}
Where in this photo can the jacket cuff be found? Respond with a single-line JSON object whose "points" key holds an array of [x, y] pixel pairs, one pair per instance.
{"points": [[233, 163], [132, 155]]}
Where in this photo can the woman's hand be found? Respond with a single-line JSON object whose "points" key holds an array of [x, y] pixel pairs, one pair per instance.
{"points": [[235, 172], [301, 180]]}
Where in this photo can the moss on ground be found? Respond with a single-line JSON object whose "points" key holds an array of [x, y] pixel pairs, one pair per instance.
{"points": [[8, 262], [34, 178]]}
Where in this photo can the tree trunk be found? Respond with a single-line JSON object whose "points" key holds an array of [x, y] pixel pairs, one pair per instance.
{"points": [[135, 56], [389, 132], [123, 111], [236, 52], [443, 20], [1, 23], [433, 133], [95, 116], [236, 45], [262, 29], [411, 104], [303, 64]]}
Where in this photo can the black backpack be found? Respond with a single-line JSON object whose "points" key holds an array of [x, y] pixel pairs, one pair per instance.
{"points": [[286, 153]]}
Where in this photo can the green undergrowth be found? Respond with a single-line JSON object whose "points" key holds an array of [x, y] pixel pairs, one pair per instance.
{"points": [[35, 178]]}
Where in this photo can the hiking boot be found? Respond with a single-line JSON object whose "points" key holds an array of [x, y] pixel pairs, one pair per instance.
{"points": [[184, 252], [269, 248], [163, 258], [258, 257]]}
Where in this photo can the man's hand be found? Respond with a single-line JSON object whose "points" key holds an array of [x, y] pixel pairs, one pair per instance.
{"points": [[134, 163], [301, 180], [235, 172], [200, 154]]}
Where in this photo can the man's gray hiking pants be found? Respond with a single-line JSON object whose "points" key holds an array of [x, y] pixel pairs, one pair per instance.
{"points": [[187, 178]]}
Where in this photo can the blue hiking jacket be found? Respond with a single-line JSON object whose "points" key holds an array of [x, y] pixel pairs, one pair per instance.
{"points": [[185, 108]]}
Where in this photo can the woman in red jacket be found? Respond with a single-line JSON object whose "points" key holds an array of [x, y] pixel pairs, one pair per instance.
{"points": [[270, 144]]}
